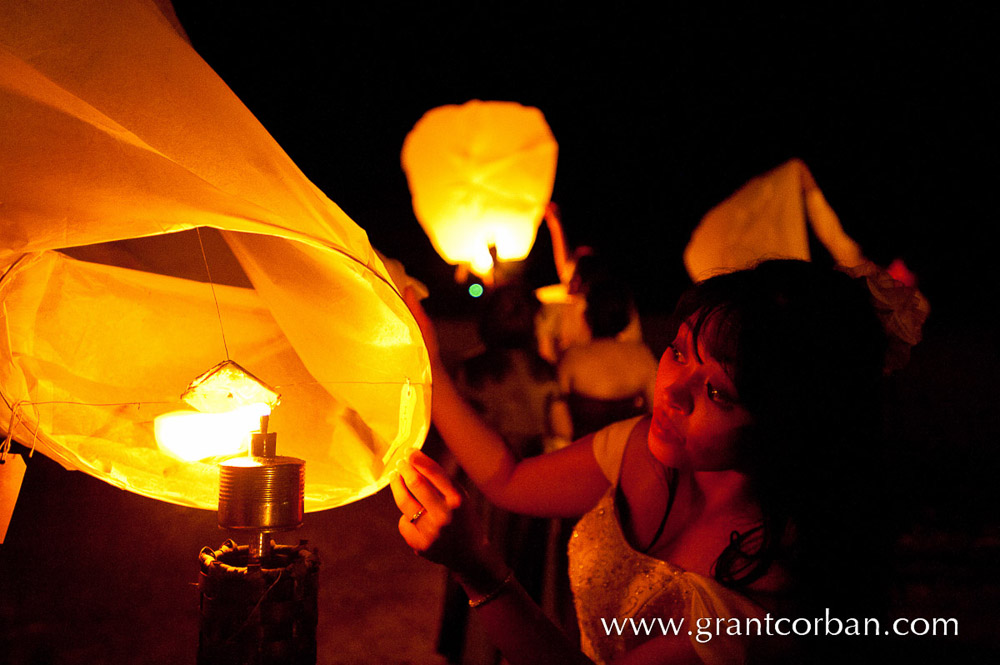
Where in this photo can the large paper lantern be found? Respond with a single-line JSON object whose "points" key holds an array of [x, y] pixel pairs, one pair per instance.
{"points": [[480, 175], [126, 168]]}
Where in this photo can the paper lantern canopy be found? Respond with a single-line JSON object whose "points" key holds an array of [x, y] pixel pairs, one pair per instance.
{"points": [[480, 175], [128, 168]]}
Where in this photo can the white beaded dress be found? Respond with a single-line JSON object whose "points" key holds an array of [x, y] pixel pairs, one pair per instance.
{"points": [[613, 581]]}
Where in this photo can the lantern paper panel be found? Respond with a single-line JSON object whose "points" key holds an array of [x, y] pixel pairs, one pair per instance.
{"points": [[767, 218], [480, 175], [115, 129]]}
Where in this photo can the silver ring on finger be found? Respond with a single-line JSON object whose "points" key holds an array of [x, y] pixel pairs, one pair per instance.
{"points": [[417, 515]]}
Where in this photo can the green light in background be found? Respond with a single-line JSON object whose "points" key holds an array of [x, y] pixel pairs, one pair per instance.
{"points": [[476, 290]]}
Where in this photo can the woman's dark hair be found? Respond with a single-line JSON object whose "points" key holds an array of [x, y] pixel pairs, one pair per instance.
{"points": [[804, 349], [609, 308]]}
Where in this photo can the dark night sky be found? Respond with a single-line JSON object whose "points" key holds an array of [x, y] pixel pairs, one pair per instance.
{"points": [[658, 118]]}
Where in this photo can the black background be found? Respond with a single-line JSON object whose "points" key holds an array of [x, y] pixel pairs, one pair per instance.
{"points": [[660, 113]]}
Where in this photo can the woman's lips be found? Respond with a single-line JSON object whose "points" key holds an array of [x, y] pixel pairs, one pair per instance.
{"points": [[663, 429]]}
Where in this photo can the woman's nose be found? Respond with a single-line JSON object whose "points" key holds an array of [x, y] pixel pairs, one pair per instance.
{"points": [[678, 395]]}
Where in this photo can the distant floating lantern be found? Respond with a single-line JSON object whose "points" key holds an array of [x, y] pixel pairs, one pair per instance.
{"points": [[480, 175], [772, 217], [769, 217]]}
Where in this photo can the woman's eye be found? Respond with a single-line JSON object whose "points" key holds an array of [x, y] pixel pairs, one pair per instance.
{"points": [[718, 396], [676, 355]]}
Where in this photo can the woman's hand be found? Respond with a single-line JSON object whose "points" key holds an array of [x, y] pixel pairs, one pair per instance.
{"points": [[427, 330], [437, 522]]}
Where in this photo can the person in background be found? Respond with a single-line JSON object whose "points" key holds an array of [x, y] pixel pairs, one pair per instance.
{"points": [[561, 324], [607, 379]]}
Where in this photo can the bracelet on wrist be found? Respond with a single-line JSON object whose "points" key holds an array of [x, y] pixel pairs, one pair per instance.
{"points": [[492, 595]]}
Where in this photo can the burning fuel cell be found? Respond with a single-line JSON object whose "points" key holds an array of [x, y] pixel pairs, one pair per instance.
{"points": [[259, 602]]}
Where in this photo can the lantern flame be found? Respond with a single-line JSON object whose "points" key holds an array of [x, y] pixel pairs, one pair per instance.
{"points": [[230, 402], [481, 262], [191, 436]]}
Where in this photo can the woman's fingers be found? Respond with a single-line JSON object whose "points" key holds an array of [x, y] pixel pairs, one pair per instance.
{"points": [[420, 539], [425, 492], [405, 501], [434, 521], [436, 475], [422, 490]]}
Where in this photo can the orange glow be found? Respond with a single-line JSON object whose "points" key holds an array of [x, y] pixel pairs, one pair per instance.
{"points": [[108, 170], [553, 294], [481, 175], [191, 436]]}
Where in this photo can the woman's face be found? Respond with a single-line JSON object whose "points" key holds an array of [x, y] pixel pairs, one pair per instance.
{"points": [[697, 414]]}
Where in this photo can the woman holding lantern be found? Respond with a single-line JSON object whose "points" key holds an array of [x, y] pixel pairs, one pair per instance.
{"points": [[749, 494]]}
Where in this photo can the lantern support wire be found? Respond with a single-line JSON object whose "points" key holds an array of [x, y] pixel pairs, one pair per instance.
{"points": [[16, 417], [5, 446], [406, 382], [211, 283]]}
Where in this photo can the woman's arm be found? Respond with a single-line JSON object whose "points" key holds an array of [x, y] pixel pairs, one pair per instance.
{"points": [[565, 483], [559, 253], [564, 372], [438, 525]]}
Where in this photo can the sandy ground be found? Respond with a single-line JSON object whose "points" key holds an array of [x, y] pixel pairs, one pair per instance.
{"points": [[92, 574]]}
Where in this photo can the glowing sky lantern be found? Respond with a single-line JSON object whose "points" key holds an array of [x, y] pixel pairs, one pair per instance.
{"points": [[768, 217], [127, 168], [480, 175]]}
